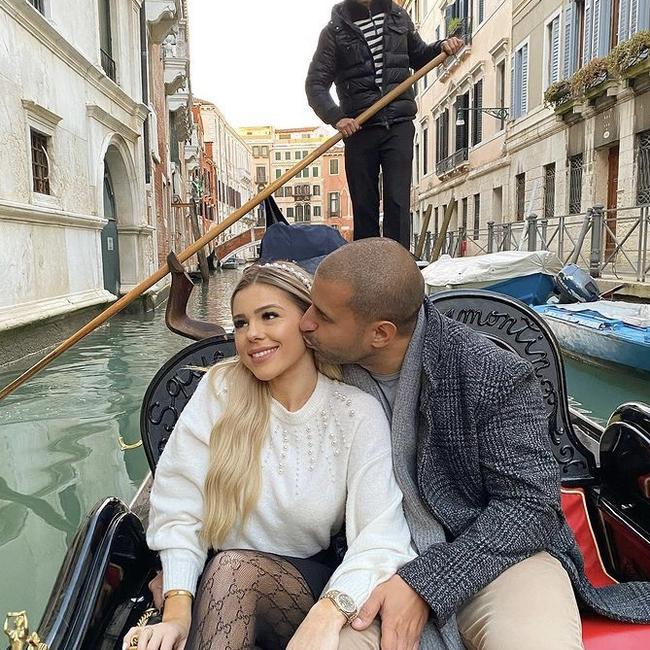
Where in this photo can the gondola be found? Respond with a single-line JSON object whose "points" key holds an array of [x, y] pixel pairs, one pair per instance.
{"points": [[101, 589]]}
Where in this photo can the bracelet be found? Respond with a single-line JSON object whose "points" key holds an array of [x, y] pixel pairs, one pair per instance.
{"points": [[178, 592]]}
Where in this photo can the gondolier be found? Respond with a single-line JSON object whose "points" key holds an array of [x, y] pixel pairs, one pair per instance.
{"points": [[367, 49]]}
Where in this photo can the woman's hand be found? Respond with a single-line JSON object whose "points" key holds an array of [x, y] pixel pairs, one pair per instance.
{"points": [[321, 628], [169, 635]]}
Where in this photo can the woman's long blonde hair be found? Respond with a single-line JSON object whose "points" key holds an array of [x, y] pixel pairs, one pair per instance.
{"points": [[233, 480]]}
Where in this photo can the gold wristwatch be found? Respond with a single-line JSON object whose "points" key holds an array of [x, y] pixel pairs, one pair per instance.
{"points": [[344, 603]]}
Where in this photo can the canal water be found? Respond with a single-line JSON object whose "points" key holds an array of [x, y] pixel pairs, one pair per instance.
{"points": [[59, 436]]}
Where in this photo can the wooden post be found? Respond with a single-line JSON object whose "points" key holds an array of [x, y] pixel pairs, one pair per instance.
{"points": [[423, 231], [443, 229]]}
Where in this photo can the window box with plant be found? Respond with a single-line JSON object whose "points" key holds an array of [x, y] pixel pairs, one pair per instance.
{"points": [[559, 97], [630, 59], [593, 79]]}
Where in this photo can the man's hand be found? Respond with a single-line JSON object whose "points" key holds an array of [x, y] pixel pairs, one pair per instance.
{"points": [[452, 45], [347, 126], [403, 615]]}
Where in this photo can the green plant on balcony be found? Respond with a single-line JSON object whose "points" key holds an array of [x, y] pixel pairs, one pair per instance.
{"points": [[591, 76], [557, 94], [455, 27], [631, 53]]}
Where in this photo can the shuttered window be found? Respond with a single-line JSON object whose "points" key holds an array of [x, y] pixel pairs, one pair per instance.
{"points": [[477, 116], [553, 50], [425, 151], [587, 34], [442, 132], [477, 216], [520, 82], [633, 16], [570, 39]]}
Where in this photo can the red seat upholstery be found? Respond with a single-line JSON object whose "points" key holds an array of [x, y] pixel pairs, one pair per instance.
{"points": [[599, 633]]}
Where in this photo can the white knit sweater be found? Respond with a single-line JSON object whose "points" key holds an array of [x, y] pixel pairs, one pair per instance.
{"points": [[327, 463]]}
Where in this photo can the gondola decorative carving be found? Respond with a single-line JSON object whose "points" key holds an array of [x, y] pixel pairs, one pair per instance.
{"points": [[176, 317], [16, 627], [172, 388], [511, 325]]}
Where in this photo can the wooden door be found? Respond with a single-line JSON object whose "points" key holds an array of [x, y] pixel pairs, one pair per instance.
{"points": [[612, 199]]}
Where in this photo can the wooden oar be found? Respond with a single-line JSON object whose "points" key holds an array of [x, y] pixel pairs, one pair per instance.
{"points": [[216, 230]]}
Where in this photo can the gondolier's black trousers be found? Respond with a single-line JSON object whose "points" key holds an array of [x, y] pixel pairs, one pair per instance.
{"points": [[391, 150]]}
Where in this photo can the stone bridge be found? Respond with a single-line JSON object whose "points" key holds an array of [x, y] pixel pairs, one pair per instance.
{"points": [[244, 240]]}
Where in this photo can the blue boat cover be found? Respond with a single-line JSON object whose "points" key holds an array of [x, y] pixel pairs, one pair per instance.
{"points": [[306, 245]]}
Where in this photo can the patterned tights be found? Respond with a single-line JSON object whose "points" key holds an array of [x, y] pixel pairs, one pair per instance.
{"points": [[246, 600]]}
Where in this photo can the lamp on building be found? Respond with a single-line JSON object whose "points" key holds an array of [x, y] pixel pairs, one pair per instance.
{"points": [[499, 113]]}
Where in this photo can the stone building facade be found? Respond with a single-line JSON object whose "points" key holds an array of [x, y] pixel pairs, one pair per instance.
{"points": [[73, 191], [318, 194], [546, 158], [232, 157], [96, 116]]}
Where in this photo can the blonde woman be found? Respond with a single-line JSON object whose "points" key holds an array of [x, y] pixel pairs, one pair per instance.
{"points": [[269, 459]]}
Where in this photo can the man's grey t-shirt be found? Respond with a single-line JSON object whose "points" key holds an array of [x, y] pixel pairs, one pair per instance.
{"points": [[388, 386]]}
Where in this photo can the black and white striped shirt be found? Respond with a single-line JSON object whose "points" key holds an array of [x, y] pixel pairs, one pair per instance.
{"points": [[373, 32]]}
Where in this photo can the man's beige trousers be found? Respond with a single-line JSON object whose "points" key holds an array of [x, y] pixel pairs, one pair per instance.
{"points": [[529, 606]]}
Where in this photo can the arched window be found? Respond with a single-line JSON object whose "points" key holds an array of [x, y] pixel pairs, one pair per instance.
{"points": [[299, 212]]}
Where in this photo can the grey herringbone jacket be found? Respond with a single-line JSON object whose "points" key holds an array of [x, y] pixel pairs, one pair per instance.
{"points": [[484, 470]]}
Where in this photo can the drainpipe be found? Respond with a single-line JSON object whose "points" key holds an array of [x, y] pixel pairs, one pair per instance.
{"points": [[144, 56]]}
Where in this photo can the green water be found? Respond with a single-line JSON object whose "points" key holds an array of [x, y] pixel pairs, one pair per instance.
{"points": [[59, 432]]}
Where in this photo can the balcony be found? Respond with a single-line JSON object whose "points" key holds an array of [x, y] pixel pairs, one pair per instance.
{"points": [[162, 16], [108, 65], [176, 65], [458, 162]]}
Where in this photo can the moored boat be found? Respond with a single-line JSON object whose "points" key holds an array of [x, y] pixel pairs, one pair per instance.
{"points": [[604, 331], [527, 276]]}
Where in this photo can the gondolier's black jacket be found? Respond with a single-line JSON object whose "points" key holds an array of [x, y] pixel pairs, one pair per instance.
{"points": [[343, 57]]}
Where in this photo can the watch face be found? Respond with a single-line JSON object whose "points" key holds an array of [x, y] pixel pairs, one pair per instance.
{"points": [[346, 603]]}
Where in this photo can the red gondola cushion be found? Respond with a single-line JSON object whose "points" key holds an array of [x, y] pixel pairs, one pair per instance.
{"points": [[599, 633]]}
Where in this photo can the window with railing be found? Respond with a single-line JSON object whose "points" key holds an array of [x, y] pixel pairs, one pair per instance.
{"points": [[39, 5], [334, 204], [520, 195], [549, 191], [458, 20], [106, 39], [40, 162], [643, 168], [575, 184], [260, 174], [457, 159]]}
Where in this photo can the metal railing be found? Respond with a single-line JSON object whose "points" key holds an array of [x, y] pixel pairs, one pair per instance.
{"points": [[606, 242], [452, 162], [108, 65]]}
